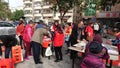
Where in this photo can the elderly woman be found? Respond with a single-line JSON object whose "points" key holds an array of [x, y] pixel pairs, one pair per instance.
{"points": [[94, 53]]}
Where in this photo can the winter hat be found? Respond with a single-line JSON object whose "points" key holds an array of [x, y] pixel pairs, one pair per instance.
{"points": [[98, 38], [95, 47]]}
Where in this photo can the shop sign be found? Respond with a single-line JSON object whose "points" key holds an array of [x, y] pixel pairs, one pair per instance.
{"points": [[108, 14]]}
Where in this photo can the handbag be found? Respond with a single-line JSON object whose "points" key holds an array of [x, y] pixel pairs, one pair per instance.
{"points": [[48, 51]]}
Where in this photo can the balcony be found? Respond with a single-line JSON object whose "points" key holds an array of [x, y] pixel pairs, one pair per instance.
{"points": [[38, 15], [37, 7], [28, 8], [44, 15], [27, 1], [48, 15], [68, 14], [37, 0], [28, 15], [42, 7]]}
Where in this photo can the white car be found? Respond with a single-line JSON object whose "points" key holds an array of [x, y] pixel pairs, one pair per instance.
{"points": [[7, 29]]}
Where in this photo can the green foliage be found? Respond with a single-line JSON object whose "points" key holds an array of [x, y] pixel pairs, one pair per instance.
{"points": [[17, 15], [4, 10], [62, 6]]}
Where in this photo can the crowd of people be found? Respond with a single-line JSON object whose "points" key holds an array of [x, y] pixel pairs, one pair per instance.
{"points": [[33, 36]]}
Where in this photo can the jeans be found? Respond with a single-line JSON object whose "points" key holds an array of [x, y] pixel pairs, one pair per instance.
{"points": [[68, 44]]}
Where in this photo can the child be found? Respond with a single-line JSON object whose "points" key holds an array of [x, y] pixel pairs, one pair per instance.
{"points": [[46, 42]]}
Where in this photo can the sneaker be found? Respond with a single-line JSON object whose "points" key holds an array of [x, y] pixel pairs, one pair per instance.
{"points": [[27, 59], [56, 61], [60, 59], [40, 62]]}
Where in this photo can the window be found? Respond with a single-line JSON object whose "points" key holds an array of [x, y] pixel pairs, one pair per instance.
{"points": [[36, 4], [37, 11], [28, 5], [28, 12]]}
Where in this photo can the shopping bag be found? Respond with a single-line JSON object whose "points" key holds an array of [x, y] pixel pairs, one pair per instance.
{"points": [[17, 57], [6, 63], [16, 49], [48, 51], [17, 54]]}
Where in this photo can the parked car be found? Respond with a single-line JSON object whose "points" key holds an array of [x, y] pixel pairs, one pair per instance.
{"points": [[7, 28]]}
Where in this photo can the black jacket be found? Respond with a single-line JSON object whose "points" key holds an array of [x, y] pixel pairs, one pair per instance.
{"points": [[74, 34], [8, 41]]}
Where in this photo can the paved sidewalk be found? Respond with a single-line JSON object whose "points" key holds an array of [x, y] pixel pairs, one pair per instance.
{"points": [[66, 63]]}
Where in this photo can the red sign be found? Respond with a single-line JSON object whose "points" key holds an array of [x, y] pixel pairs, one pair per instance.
{"points": [[107, 14], [114, 14]]}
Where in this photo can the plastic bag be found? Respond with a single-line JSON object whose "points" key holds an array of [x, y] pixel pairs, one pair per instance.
{"points": [[48, 51]]}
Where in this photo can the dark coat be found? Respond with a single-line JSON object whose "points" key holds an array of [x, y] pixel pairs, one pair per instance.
{"points": [[92, 60], [76, 34], [8, 41]]}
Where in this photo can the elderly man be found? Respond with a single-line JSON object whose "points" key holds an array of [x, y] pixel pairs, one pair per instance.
{"points": [[36, 42]]}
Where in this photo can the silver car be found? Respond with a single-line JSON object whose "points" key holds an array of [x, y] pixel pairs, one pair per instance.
{"points": [[7, 29]]}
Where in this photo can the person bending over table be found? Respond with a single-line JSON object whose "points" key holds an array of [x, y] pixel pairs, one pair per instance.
{"points": [[7, 41]]}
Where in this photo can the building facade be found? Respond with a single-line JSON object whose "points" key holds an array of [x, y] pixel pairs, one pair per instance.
{"points": [[37, 10]]}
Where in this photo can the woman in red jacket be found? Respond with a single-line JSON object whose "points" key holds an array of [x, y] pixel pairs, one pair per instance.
{"points": [[19, 31], [58, 43], [89, 31]]}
